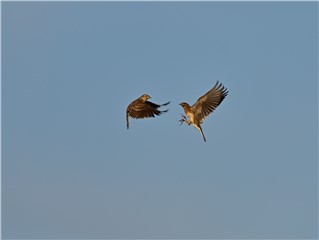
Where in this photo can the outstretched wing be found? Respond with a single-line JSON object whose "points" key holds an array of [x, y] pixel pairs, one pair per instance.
{"points": [[207, 103], [140, 109], [154, 105]]}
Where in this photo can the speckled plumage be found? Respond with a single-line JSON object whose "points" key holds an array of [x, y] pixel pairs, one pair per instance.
{"points": [[142, 108], [204, 106]]}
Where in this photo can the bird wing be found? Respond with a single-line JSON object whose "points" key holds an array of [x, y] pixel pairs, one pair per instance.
{"points": [[207, 103], [154, 105], [140, 109]]}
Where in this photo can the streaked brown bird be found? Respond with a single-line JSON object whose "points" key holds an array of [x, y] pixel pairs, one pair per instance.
{"points": [[204, 106], [141, 108]]}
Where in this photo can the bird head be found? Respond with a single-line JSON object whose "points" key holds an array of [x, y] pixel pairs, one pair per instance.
{"points": [[145, 97], [184, 104]]}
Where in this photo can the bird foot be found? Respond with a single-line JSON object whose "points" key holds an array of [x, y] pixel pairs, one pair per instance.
{"points": [[184, 119]]}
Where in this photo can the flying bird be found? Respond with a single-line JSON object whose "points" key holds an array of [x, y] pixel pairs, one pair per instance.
{"points": [[204, 106], [141, 108]]}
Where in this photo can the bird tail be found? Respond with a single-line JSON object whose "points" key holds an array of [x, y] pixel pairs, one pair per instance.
{"points": [[201, 131], [127, 122]]}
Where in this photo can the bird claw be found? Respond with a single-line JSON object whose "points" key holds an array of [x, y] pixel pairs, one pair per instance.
{"points": [[184, 119]]}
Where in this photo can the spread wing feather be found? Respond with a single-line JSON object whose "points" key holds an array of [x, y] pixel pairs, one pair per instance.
{"points": [[154, 105], [207, 103], [140, 109]]}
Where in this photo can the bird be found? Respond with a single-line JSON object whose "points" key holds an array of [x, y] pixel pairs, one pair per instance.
{"points": [[142, 108], [204, 106]]}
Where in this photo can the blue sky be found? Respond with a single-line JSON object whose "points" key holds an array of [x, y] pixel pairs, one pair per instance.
{"points": [[71, 169]]}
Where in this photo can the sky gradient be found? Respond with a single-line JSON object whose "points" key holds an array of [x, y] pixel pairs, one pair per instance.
{"points": [[71, 169]]}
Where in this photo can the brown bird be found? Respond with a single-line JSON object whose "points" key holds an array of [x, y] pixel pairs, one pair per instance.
{"points": [[204, 106], [141, 108]]}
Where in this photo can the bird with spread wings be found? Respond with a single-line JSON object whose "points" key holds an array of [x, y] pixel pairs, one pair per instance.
{"points": [[204, 106], [142, 108]]}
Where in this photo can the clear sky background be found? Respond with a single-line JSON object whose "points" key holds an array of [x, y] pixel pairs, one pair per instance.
{"points": [[71, 169]]}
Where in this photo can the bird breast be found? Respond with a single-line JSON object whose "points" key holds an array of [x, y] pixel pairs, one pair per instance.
{"points": [[190, 116]]}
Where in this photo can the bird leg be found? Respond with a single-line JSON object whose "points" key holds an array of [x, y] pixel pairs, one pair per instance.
{"points": [[184, 119]]}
